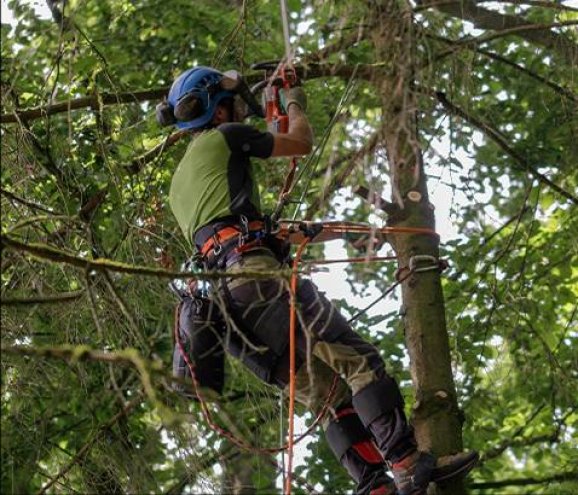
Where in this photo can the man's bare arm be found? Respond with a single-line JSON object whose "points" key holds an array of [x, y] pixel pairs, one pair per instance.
{"points": [[298, 140]]}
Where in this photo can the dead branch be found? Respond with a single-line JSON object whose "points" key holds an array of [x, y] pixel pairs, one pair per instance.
{"points": [[350, 160]]}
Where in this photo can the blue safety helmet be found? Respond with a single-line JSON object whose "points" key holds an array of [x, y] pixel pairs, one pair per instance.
{"points": [[194, 96]]}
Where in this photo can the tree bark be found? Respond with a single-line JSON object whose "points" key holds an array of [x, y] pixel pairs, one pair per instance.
{"points": [[435, 416]]}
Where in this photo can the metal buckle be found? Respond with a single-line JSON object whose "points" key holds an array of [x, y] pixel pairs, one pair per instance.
{"points": [[217, 246]]}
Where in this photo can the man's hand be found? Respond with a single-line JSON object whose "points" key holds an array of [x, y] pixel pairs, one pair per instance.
{"points": [[293, 96]]}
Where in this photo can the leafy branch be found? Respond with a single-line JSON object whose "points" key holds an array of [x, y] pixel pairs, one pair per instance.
{"points": [[520, 162], [88, 445], [557, 478], [499, 58], [535, 3], [540, 34]]}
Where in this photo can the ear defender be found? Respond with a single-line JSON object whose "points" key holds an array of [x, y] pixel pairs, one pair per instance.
{"points": [[189, 107], [165, 114]]}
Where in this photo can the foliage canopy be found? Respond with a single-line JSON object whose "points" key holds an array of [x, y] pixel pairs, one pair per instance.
{"points": [[497, 106]]}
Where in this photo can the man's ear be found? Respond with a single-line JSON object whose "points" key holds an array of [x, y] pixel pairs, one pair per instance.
{"points": [[221, 115]]}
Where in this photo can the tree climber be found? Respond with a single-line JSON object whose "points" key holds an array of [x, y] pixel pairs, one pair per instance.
{"points": [[216, 202]]}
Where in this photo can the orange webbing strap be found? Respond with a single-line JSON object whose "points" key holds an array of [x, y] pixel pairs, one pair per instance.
{"points": [[292, 351], [359, 259], [227, 233]]}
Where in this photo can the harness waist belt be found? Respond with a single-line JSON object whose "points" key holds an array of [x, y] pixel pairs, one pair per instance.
{"points": [[227, 233]]}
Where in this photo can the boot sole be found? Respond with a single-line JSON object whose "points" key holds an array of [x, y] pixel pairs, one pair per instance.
{"points": [[451, 471]]}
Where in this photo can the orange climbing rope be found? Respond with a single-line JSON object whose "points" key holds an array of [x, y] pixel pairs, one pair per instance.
{"points": [[293, 232], [292, 352]]}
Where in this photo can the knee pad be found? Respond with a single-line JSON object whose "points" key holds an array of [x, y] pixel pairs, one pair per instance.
{"points": [[347, 432]]}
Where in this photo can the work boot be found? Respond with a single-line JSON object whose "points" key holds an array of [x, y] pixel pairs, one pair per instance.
{"points": [[413, 473]]}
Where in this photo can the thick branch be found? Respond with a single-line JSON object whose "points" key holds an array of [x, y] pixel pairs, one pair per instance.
{"points": [[488, 19], [547, 4], [375, 199], [93, 101], [557, 478], [49, 253], [51, 299], [492, 133], [310, 71]]}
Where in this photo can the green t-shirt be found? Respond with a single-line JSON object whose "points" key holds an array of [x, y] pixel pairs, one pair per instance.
{"points": [[215, 177]]}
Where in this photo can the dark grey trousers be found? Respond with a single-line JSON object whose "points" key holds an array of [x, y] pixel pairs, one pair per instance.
{"points": [[327, 348]]}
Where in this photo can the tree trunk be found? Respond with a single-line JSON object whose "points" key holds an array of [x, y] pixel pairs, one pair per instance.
{"points": [[436, 416]]}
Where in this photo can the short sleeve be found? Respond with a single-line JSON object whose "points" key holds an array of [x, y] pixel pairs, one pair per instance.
{"points": [[247, 140]]}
